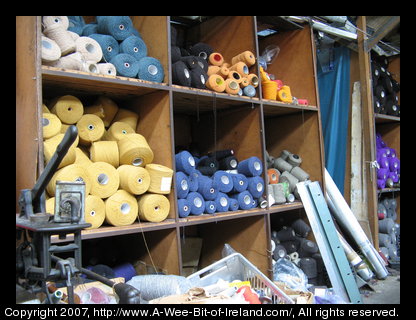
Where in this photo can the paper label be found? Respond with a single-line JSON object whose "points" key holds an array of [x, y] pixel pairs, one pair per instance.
{"points": [[165, 184]]}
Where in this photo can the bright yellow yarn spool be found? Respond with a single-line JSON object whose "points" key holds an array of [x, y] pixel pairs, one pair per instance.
{"points": [[49, 148], [68, 108], [153, 207], [50, 205], [121, 209], [105, 108], [128, 116], [94, 211], [82, 158], [160, 178], [135, 180], [72, 172], [284, 94], [118, 131], [134, 150], [90, 129], [51, 125], [104, 179], [105, 151], [45, 108]]}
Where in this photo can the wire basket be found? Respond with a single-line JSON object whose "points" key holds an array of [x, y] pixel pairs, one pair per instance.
{"points": [[237, 267]]}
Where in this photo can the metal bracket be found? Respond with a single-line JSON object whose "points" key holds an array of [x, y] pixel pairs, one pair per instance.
{"points": [[336, 262]]}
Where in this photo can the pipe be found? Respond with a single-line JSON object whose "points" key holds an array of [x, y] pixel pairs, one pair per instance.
{"points": [[355, 260], [345, 217]]}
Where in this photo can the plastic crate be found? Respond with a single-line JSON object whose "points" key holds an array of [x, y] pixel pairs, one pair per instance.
{"points": [[237, 267]]}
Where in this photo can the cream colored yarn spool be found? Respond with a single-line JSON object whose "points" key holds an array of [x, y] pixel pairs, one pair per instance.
{"points": [[90, 129], [104, 178], [50, 50], [90, 66], [105, 151], [72, 61], [121, 209], [73, 35], [160, 178], [107, 69], [128, 116], [72, 172], [68, 108], [135, 180], [94, 211], [62, 21], [51, 125], [118, 131], [134, 150], [89, 48], [61, 36], [49, 148], [153, 207]]}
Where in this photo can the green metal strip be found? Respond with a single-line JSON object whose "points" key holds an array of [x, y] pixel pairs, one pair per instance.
{"points": [[328, 226]]}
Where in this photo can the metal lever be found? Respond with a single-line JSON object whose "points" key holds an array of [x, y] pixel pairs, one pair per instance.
{"points": [[61, 151], [32, 201]]}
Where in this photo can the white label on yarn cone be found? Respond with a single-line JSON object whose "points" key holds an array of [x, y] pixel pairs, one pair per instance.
{"points": [[186, 72], [184, 185], [246, 199], [257, 165], [197, 202], [225, 180], [152, 69], [223, 201], [165, 184], [191, 161], [259, 187]]}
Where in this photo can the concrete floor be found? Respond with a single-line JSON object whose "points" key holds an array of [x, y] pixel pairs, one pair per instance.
{"points": [[386, 291]]}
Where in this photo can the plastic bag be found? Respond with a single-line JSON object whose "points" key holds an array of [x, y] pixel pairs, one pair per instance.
{"points": [[269, 55], [287, 272], [329, 298]]}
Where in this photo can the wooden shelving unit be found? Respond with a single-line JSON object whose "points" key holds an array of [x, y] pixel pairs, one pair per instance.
{"points": [[171, 115]]}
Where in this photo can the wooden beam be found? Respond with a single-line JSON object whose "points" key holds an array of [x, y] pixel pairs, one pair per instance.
{"points": [[368, 126]]}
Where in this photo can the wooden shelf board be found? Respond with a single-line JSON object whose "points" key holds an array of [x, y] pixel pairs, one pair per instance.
{"points": [[60, 80]]}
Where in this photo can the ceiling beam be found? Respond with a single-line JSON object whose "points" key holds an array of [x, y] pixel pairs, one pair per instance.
{"points": [[381, 32]]}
